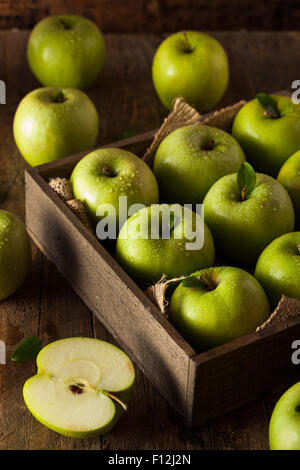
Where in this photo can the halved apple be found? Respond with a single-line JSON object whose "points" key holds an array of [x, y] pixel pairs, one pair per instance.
{"points": [[81, 387]]}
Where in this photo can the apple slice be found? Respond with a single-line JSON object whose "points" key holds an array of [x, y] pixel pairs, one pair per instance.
{"points": [[81, 387]]}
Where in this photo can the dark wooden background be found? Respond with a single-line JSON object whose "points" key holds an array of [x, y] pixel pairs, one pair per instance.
{"points": [[157, 16]]}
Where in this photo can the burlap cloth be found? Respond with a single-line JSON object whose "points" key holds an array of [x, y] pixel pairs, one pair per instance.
{"points": [[181, 115]]}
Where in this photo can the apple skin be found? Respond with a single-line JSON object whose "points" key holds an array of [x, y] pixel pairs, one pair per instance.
{"points": [[289, 177], [185, 169], [268, 142], [278, 268], [284, 428], [132, 178], [147, 260], [199, 75], [15, 254], [209, 318], [242, 229], [46, 130], [66, 51], [123, 395]]}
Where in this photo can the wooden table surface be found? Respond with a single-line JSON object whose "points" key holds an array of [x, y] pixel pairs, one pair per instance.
{"points": [[46, 306]]}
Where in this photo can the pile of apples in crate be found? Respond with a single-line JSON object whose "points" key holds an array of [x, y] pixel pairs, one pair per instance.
{"points": [[248, 182]]}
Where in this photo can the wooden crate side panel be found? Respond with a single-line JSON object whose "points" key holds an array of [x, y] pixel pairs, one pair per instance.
{"points": [[243, 370], [141, 330]]}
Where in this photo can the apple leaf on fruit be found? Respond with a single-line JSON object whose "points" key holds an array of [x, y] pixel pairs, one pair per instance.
{"points": [[269, 104], [193, 281], [27, 350], [246, 180]]}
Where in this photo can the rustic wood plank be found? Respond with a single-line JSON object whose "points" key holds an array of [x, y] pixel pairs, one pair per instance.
{"points": [[244, 428], [139, 16], [237, 372]]}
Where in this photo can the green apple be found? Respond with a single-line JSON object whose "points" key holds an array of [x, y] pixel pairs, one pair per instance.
{"points": [[15, 254], [268, 133], [66, 51], [284, 429], [193, 65], [81, 387], [191, 159], [216, 305], [164, 240], [289, 177], [245, 219], [278, 267], [51, 123], [102, 176]]}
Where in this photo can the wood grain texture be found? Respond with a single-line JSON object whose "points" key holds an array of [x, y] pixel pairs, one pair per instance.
{"points": [[157, 16], [258, 62]]}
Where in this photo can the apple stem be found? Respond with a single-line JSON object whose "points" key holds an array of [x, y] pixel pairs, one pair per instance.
{"points": [[107, 172], [113, 397], [186, 42], [59, 97], [64, 24], [243, 194], [206, 280]]}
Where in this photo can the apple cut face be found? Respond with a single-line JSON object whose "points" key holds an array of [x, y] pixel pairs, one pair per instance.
{"points": [[81, 386]]}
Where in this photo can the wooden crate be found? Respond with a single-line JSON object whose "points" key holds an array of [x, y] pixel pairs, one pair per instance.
{"points": [[198, 386]]}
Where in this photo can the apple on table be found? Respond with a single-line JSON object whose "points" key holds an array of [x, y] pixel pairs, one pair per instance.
{"points": [[51, 123], [245, 211], [191, 159], [66, 51], [268, 129], [193, 65], [15, 254], [81, 387], [217, 305]]}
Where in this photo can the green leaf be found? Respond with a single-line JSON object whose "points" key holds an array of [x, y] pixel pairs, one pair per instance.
{"points": [[195, 282], [246, 180], [27, 350], [269, 104], [126, 134]]}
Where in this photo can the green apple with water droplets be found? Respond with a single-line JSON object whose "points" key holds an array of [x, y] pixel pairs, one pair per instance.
{"points": [[102, 176], [81, 387], [268, 129], [245, 213], [278, 267], [66, 51], [289, 177], [193, 65], [15, 254], [284, 428], [164, 240], [51, 123], [217, 305], [191, 159]]}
